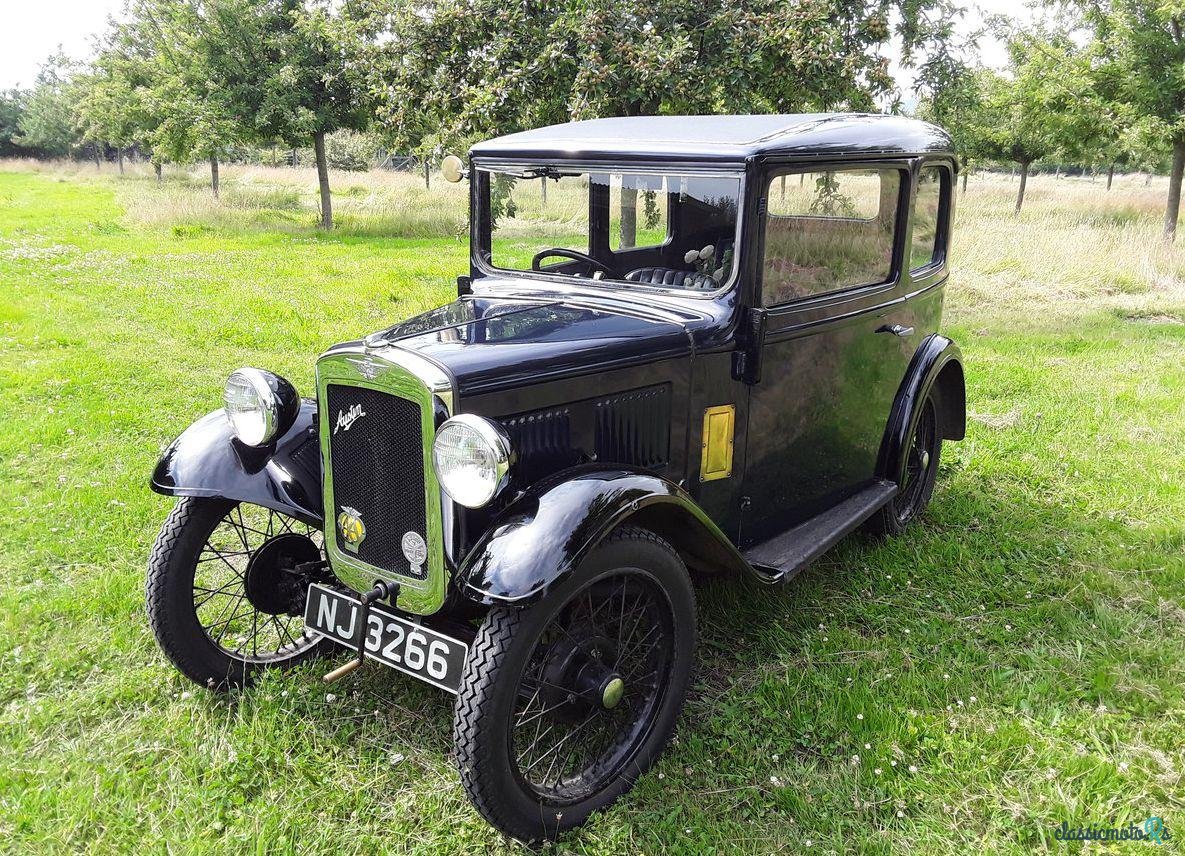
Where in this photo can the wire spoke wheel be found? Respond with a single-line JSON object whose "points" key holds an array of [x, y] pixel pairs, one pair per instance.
{"points": [[921, 464], [224, 594], [566, 701], [591, 687], [238, 617]]}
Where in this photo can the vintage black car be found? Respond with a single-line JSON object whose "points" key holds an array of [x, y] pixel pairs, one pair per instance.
{"points": [[685, 343]]}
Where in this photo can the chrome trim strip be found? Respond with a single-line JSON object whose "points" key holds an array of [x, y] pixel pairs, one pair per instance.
{"points": [[400, 373]]}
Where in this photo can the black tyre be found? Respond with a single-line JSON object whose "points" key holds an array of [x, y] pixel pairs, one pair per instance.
{"points": [[919, 470], [563, 704], [223, 601]]}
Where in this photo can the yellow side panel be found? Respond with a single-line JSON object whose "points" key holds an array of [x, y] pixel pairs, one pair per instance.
{"points": [[719, 423]]}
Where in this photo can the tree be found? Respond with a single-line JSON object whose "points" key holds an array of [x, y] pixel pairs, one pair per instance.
{"points": [[1142, 43], [947, 85], [1031, 112], [282, 71], [12, 108], [113, 104], [47, 123]]}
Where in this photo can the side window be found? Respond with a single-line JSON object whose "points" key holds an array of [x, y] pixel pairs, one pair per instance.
{"points": [[637, 211], [933, 185], [826, 231]]}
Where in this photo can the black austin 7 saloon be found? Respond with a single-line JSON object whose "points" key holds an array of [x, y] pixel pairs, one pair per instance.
{"points": [[684, 345]]}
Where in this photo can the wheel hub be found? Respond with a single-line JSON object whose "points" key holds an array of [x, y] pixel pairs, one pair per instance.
{"points": [[578, 672], [272, 585]]}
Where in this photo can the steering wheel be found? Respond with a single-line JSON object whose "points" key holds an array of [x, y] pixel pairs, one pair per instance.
{"points": [[575, 256]]}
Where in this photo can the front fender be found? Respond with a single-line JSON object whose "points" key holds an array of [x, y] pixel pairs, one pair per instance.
{"points": [[285, 475], [937, 366], [541, 538]]}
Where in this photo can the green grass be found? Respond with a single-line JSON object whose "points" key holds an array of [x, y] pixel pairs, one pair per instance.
{"points": [[1015, 662]]}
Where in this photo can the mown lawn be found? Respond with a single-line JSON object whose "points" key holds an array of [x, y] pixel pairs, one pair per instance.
{"points": [[1016, 662]]}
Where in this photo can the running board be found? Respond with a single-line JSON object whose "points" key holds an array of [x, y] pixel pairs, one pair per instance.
{"points": [[784, 556]]}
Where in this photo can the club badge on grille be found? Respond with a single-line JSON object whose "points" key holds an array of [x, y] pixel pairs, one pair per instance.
{"points": [[415, 551], [351, 528]]}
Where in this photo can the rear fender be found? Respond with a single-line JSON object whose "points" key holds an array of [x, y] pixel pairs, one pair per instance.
{"points": [[285, 475], [542, 537], [936, 367]]}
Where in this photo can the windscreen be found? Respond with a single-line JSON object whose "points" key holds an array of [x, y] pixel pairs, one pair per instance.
{"points": [[652, 229]]}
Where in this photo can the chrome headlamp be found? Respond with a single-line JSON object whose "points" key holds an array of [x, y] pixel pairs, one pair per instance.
{"points": [[472, 458], [259, 405]]}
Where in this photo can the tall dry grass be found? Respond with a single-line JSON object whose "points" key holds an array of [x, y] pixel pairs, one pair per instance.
{"points": [[1075, 246]]}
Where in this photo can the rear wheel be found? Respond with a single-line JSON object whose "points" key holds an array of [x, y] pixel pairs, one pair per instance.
{"points": [[223, 595], [915, 482], [565, 703]]}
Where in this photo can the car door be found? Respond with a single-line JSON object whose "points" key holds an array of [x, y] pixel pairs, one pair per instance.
{"points": [[836, 340]]}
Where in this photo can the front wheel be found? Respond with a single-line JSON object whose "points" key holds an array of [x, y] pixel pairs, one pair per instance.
{"points": [[565, 703], [223, 594]]}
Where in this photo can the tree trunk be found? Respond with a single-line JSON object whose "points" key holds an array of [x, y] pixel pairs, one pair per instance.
{"points": [[119, 157], [1110, 175], [1024, 178], [157, 170], [214, 175], [628, 228], [295, 158], [543, 188], [95, 152], [964, 181], [323, 180], [1011, 173], [1057, 173], [1148, 179], [783, 188], [427, 175], [1174, 206]]}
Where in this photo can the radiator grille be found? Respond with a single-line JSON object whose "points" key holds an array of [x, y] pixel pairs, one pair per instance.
{"points": [[378, 470]]}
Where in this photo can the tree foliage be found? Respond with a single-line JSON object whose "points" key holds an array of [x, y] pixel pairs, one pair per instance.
{"points": [[47, 121], [1141, 48], [447, 72]]}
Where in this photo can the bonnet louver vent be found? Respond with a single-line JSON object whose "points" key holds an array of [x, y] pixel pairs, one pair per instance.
{"points": [[635, 428], [632, 428]]}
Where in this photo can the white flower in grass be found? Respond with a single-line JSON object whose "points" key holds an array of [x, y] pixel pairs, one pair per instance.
{"points": [[913, 768], [330, 697], [877, 771], [859, 716]]}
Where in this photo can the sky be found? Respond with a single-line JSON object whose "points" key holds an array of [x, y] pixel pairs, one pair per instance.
{"points": [[34, 29]]}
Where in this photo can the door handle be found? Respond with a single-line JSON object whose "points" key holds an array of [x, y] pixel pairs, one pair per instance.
{"points": [[896, 329]]}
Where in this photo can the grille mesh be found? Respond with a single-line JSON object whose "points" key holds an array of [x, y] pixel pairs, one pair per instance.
{"points": [[378, 470]]}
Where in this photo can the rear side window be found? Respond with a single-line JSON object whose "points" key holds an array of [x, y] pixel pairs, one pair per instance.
{"points": [[925, 249], [827, 231]]}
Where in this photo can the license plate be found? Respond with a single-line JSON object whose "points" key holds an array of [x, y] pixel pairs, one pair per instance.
{"points": [[390, 638]]}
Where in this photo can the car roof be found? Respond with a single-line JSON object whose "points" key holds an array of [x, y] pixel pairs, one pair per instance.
{"points": [[721, 138]]}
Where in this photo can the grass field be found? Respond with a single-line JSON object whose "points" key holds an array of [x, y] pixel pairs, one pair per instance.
{"points": [[1018, 661]]}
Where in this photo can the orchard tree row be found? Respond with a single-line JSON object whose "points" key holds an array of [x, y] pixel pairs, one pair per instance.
{"points": [[188, 80], [1104, 87]]}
